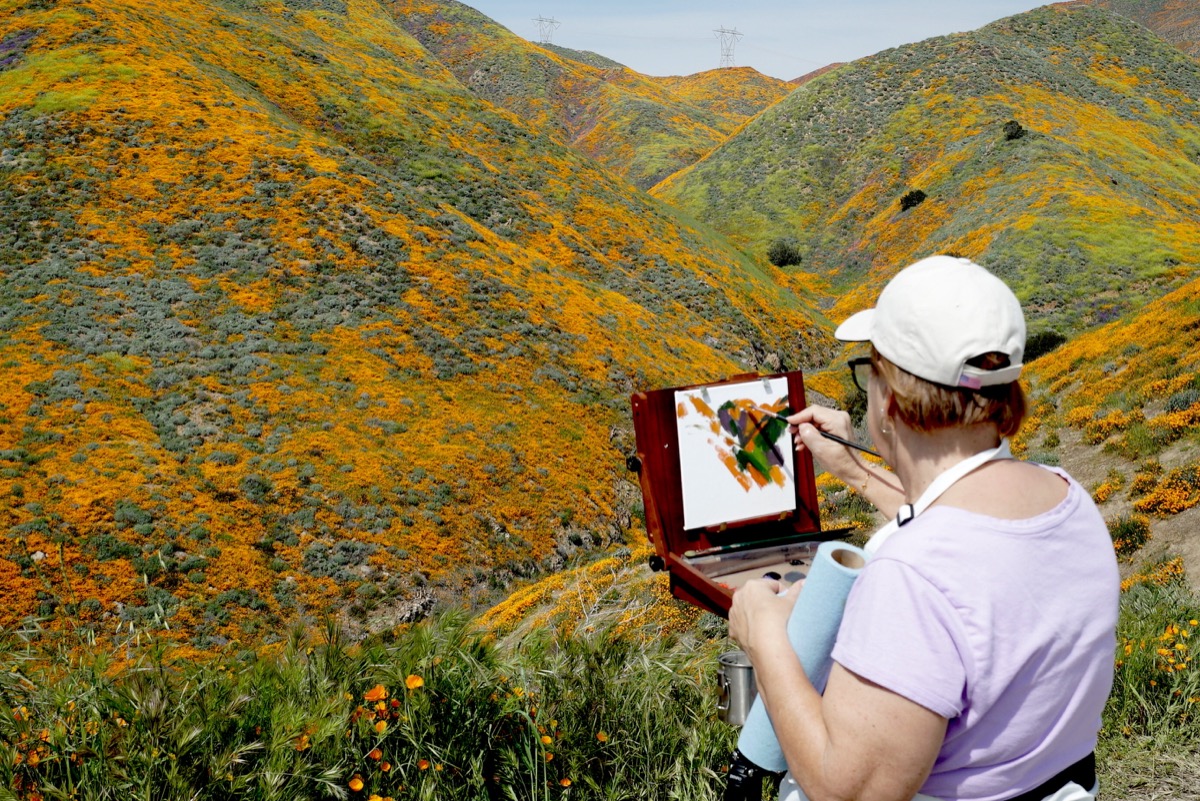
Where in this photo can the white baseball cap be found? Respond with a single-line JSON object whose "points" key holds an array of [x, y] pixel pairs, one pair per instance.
{"points": [[937, 314]]}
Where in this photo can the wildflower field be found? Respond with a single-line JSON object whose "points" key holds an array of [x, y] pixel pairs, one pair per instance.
{"points": [[437, 711], [584, 704]]}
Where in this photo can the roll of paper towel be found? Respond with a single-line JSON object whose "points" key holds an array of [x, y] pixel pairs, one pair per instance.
{"points": [[811, 629]]}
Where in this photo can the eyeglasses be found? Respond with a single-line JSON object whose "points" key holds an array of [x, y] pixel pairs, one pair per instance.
{"points": [[861, 371]]}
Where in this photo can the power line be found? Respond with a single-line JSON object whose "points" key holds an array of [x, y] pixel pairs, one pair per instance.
{"points": [[546, 28], [729, 39]]}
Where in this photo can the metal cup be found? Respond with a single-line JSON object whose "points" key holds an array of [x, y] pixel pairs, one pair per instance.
{"points": [[735, 677]]}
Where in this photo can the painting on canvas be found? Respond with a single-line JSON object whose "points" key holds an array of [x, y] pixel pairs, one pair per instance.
{"points": [[737, 463]]}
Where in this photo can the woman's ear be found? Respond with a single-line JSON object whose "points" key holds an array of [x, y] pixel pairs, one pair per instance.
{"points": [[887, 399]]}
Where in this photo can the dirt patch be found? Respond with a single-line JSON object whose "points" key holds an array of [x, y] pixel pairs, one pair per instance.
{"points": [[1177, 535]]}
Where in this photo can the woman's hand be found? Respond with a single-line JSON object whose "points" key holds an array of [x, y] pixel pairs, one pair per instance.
{"points": [[877, 485], [834, 457], [759, 615]]}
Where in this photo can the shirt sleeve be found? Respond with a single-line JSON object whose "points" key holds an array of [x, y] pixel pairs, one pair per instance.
{"points": [[900, 632]]}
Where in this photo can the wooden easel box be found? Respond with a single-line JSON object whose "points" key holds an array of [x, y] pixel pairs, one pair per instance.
{"points": [[707, 564]]}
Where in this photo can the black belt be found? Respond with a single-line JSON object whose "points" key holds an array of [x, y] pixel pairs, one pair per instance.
{"points": [[1082, 773]]}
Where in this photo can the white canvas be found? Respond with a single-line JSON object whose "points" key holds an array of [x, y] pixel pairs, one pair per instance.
{"points": [[715, 425]]}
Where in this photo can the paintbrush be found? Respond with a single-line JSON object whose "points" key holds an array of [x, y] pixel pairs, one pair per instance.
{"points": [[824, 434]]}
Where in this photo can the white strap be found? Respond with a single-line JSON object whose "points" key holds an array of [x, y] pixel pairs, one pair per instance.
{"points": [[939, 485]]}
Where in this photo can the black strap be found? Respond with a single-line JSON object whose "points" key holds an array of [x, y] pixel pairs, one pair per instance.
{"points": [[1082, 773]]}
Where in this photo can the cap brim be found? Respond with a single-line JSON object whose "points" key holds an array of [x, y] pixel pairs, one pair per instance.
{"points": [[857, 328]]}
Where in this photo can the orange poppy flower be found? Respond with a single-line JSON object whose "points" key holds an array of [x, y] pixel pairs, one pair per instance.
{"points": [[356, 783], [375, 754], [376, 693], [422, 764], [414, 681]]}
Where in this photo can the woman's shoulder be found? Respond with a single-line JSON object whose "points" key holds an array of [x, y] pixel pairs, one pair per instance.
{"points": [[1009, 489]]}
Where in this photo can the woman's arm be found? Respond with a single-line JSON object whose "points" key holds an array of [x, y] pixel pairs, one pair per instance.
{"points": [[873, 482], [857, 741]]}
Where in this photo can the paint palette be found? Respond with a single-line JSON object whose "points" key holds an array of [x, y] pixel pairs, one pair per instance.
{"points": [[726, 496]]}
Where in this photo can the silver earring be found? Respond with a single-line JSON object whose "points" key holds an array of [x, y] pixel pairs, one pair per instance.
{"points": [[883, 429]]}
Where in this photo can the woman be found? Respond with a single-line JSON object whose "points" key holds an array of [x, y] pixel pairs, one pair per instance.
{"points": [[976, 651]]}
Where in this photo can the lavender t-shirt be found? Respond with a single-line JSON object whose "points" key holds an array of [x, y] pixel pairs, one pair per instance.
{"points": [[1006, 627]]}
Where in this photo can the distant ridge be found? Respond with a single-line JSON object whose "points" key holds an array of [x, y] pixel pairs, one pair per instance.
{"points": [[1058, 147], [628, 122], [1176, 21], [734, 93], [584, 57], [817, 73]]}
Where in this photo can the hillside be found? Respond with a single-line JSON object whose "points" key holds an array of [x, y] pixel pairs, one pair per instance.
{"points": [[1060, 148], [1120, 407], [294, 323], [1176, 21], [734, 93], [633, 124]]}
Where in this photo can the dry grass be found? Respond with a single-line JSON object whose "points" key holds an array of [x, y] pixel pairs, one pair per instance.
{"points": [[1145, 770]]}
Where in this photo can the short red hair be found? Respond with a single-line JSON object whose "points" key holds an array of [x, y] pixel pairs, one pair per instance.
{"points": [[925, 406]]}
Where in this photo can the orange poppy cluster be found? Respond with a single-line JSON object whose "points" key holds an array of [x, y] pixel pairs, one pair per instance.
{"points": [[382, 709], [1160, 575], [1177, 491], [1173, 650]]}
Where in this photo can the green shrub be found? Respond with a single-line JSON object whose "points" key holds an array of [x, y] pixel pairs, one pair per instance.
{"points": [[912, 198], [785, 251], [1183, 399], [1013, 131], [1139, 441], [1042, 342], [1129, 533]]}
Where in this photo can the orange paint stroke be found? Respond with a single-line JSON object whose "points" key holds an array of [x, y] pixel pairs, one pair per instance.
{"points": [[703, 407], [732, 465]]}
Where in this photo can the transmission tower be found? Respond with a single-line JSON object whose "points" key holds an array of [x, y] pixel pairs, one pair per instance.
{"points": [[546, 29], [728, 39]]}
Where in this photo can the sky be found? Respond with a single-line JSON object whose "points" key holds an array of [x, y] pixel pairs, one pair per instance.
{"points": [[781, 38]]}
